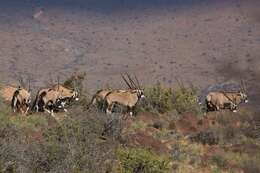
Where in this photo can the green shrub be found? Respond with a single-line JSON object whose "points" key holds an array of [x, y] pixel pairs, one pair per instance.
{"points": [[162, 99], [134, 160], [159, 99]]}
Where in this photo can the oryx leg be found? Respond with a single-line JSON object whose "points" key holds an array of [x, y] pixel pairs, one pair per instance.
{"points": [[14, 104], [62, 106], [210, 106], [37, 108], [27, 109], [233, 107], [21, 110], [130, 110], [52, 113], [110, 108], [46, 110]]}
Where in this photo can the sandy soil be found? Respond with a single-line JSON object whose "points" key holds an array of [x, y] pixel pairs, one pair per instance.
{"points": [[202, 41]]}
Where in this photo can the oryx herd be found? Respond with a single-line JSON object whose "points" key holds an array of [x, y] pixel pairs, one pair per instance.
{"points": [[214, 100], [57, 97], [48, 99]]}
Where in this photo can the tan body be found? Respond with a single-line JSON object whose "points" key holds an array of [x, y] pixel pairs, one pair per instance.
{"points": [[21, 100], [66, 93], [222, 100], [7, 92], [99, 97], [47, 100], [127, 98]]}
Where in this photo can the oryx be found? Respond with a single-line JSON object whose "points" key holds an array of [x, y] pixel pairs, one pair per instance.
{"points": [[127, 98], [221, 99], [48, 100], [21, 100]]}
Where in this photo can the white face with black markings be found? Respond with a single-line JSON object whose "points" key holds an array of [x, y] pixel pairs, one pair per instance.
{"points": [[75, 95], [243, 97], [140, 94]]}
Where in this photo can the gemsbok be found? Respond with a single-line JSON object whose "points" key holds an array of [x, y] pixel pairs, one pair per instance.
{"points": [[48, 100], [226, 100], [127, 98], [21, 100]]}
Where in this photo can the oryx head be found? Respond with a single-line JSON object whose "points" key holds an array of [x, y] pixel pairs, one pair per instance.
{"points": [[140, 93], [134, 85], [242, 92], [75, 95]]}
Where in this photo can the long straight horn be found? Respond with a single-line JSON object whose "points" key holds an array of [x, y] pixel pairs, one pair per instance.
{"points": [[21, 81], [138, 83], [127, 83], [29, 87], [132, 82], [58, 82], [243, 86]]}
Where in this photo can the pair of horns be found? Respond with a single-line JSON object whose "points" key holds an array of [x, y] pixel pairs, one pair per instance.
{"points": [[130, 82], [22, 83], [243, 85]]}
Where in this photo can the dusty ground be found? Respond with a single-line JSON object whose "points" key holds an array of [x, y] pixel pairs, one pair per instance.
{"points": [[203, 41]]}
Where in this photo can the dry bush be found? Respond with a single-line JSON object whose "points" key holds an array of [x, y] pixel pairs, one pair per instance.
{"points": [[73, 145]]}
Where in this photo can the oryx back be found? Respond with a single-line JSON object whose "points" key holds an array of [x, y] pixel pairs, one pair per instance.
{"points": [[66, 93], [99, 96], [122, 97]]}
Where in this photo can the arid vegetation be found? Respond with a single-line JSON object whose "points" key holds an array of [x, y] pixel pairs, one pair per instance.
{"points": [[169, 132]]}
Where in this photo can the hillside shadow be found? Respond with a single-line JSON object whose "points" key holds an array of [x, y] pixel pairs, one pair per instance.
{"points": [[231, 71]]}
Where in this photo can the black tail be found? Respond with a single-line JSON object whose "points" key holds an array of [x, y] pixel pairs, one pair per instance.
{"points": [[14, 99], [38, 100], [35, 102]]}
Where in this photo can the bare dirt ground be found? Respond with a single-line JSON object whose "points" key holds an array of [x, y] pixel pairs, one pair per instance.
{"points": [[202, 41]]}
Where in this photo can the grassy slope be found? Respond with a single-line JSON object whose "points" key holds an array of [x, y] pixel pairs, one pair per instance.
{"points": [[37, 143]]}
